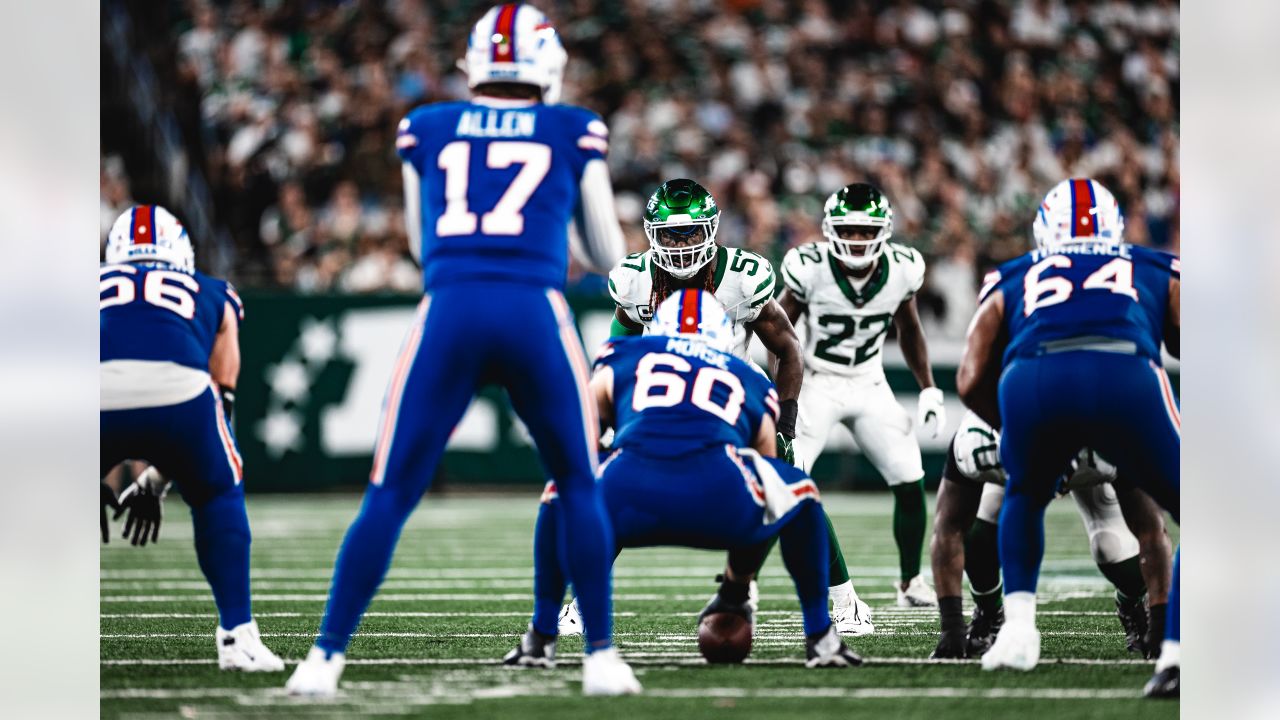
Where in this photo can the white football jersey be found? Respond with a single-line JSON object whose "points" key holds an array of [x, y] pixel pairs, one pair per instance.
{"points": [[845, 326], [743, 283]]}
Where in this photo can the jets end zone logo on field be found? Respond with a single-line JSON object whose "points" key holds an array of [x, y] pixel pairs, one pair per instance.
{"points": [[325, 393]]}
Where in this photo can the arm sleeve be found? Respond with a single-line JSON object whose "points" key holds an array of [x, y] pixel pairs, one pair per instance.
{"points": [[598, 242], [234, 298], [413, 208]]}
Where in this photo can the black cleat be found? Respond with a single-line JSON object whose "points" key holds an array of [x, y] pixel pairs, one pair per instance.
{"points": [[1163, 685], [1155, 630], [828, 650], [1133, 618], [983, 628], [534, 650], [952, 645], [719, 604]]}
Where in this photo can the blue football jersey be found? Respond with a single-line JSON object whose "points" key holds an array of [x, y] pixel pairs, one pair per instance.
{"points": [[674, 395], [500, 181], [1085, 289], [153, 312]]}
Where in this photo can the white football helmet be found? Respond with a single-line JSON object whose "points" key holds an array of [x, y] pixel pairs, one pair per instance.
{"points": [[694, 312], [149, 233], [1077, 209], [515, 43]]}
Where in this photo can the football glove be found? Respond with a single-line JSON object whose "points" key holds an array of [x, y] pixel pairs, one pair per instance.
{"points": [[144, 501], [786, 450], [108, 498], [931, 415]]}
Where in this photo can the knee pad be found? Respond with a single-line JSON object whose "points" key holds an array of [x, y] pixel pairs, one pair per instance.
{"points": [[1109, 546]]}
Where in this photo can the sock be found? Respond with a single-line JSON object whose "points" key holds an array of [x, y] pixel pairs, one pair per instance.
{"points": [[1021, 543], [1126, 575], [842, 595], [585, 540], [222, 548], [1173, 618], [548, 576], [982, 564], [1020, 608], [804, 550], [1158, 615], [908, 526], [362, 563], [837, 570], [1170, 655], [951, 611]]}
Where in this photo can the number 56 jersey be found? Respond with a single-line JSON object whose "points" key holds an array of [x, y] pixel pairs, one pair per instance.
{"points": [[500, 181], [845, 326]]}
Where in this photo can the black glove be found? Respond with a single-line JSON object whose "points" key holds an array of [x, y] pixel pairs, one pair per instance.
{"points": [[786, 452], [145, 507], [108, 499]]}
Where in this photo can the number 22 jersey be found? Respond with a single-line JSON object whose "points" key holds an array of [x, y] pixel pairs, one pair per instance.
{"points": [[1085, 290]]}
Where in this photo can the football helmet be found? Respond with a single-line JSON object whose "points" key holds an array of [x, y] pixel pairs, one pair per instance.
{"points": [[849, 218], [1077, 209], [149, 233], [692, 311], [515, 43], [681, 221]]}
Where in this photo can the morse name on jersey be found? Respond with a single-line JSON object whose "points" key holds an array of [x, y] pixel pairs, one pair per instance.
{"points": [[496, 123], [697, 349]]}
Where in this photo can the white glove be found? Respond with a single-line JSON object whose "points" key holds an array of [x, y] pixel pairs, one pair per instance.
{"points": [[931, 414]]}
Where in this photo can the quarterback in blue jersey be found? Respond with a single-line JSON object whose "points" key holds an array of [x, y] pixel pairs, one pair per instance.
{"points": [[169, 357], [693, 464], [1064, 353], [497, 189]]}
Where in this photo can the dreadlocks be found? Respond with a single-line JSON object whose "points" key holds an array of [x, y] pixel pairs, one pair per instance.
{"points": [[664, 284]]}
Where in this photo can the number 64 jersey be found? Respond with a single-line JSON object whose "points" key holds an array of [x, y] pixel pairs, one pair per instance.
{"points": [[845, 326]]}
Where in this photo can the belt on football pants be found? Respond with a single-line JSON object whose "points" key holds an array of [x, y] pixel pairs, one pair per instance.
{"points": [[1095, 343]]}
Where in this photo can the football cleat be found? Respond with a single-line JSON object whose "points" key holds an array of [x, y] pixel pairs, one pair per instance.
{"points": [[951, 646], [1133, 618], [917, 594], [1164, 684], [983, 629], [317, 676], [241, 648], [533, 650], [605, 673], [570, 622], [853, 620], [1017, 647], [828, 650]]}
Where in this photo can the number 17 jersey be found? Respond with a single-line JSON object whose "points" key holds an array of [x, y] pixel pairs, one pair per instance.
{"points": [[500, 181]]}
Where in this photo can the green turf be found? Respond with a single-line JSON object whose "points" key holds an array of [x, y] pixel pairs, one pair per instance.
{"points": [[458, 597]]}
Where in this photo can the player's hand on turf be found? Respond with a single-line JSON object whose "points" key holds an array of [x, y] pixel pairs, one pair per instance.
{"points": [[107, 497], [931, 414], [144, 501], [786, 449]]}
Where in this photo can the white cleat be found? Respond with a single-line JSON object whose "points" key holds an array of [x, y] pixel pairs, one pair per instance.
{"points": [[605, 673], [853, 620], [917, 594], [1017, 647], [241, 648], [570, 620], [317, 676]]}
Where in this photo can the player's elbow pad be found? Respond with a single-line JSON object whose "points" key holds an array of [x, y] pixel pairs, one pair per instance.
{"points": [[600, 234]]}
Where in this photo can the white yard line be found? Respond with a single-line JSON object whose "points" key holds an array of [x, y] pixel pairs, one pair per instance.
{"points": [[638, 658]]}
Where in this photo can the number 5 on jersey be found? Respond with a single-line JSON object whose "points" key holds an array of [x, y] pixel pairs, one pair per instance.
{"points": [[505, 218]]}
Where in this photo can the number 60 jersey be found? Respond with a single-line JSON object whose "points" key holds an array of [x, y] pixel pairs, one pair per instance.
{"points": [[845, 325]]}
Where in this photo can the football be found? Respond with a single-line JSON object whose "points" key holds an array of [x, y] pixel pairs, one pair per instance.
{"points": [[724, 638]]}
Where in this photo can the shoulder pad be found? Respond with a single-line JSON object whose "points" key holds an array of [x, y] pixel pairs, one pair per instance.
{"points": [[760, 287]]}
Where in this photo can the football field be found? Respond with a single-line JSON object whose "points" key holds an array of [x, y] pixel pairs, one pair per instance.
{"points": [[459, 594]]}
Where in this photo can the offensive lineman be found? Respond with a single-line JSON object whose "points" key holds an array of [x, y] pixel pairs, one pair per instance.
{"points": [[969, 500], [491, 186], [852, 288], [169, 350], [1064, 353]]}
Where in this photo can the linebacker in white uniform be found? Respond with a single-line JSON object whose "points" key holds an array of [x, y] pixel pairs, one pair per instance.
{"points": [[1127, 539], [851, 289]]}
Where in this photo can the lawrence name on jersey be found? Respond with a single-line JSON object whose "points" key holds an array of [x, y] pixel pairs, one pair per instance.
{"points": [[1063, 354], [693, 465], [850, 289], [169, 354]]}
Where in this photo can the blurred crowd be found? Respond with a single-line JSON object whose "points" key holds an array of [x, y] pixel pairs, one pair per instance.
{"points": [[965, 112]]}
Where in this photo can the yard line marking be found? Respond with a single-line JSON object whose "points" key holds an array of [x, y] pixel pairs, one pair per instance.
{"points": [[636, 658], [524, 597]]}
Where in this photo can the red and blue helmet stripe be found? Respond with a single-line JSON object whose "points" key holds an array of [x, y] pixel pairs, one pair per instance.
{"points": [[690, 310], [1084, 204], [142, 230], [504, 34]]}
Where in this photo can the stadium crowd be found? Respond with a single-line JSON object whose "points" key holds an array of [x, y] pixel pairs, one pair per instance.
{"points": [[964, 111]]}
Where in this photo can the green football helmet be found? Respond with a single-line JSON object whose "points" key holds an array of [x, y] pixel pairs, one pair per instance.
{"points": [[680, 222], [857, 221]]}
